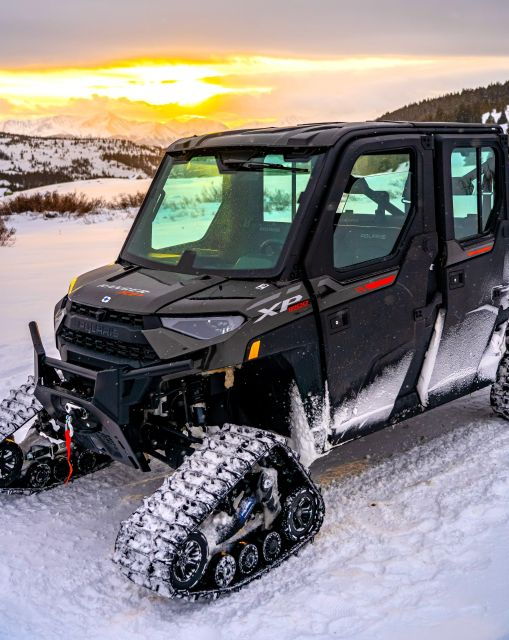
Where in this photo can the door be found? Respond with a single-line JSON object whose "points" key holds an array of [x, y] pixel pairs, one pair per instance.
{"points": [[470, 331], [370, 268]]}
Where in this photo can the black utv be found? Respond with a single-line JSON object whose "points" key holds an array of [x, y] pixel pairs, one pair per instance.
{"points": [[311, 284]]}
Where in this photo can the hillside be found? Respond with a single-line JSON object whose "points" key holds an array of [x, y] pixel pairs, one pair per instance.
{"points": [[27, 162], [470, 105]]}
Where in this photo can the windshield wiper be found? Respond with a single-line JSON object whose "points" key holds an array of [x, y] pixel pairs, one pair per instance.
{"points": [[268, 165]]}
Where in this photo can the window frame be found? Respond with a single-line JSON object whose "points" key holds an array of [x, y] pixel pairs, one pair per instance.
{"points": [[320, 258], [337, 217], [478, 177], [449, 144]]}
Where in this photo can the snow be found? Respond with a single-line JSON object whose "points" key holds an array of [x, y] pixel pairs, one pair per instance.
{"points": [[29, 161], [414, 543]]}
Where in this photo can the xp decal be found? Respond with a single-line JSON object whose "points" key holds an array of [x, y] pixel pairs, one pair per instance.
{"points": [[290, 304]]}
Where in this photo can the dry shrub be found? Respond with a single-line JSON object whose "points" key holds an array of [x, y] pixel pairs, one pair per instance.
{"points": [[6, 235], [53, 201], [128, 200], [75, 203]]}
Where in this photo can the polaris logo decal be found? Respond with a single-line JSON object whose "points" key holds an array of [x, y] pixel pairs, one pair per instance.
{"points": [[97, 329], [295, 303], [123, 291]]}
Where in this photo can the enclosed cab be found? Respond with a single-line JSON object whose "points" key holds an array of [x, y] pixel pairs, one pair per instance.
{"points": [[355, 273]]}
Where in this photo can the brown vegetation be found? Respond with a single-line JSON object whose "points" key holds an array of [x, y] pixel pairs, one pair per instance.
{"points": [[62, 203], [6, 234]]}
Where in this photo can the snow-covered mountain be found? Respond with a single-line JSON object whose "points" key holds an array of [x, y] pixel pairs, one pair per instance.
{"points": [[27, 162], [108, 125]]}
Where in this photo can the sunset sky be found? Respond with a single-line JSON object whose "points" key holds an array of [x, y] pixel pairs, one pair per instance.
{"points": [[263, 61]]}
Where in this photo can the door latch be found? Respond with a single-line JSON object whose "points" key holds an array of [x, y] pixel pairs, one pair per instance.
{"points": [[339, 321], [456, 279]]}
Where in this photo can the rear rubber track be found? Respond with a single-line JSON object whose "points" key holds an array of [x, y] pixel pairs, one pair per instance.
{"points": [[499, 396]]}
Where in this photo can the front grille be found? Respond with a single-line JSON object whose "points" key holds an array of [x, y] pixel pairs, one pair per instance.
{"points": [[108, 315], [132, 351]]}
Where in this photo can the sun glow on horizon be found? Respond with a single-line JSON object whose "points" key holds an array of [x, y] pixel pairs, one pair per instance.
{"points": [[161, 82], [233, 89]]}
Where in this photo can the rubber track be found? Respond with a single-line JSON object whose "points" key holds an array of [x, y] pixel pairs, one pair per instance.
{"points": [[499, 396], [16, 410], [150, 539], [28, 491]]}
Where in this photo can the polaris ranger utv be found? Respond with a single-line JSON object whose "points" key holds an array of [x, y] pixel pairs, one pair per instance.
{"points": [[312, 284]]}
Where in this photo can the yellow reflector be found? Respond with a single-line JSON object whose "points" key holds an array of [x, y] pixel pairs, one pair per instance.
{"points": [[72, 285], [254, 350]]}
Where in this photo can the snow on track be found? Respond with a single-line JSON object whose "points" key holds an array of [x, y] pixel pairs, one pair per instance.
{"points": [[414, 545]]}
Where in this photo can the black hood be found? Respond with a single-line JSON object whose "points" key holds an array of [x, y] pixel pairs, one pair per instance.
{"points": [[146, 291], [137, 290]]}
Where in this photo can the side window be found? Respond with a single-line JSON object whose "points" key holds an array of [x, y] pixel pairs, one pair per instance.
{"points": [[373, 208], [473, 171]]}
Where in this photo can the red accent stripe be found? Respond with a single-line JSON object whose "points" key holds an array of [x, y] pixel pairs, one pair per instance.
{"points": [[477, 252], [376, 284], [299, 305]]}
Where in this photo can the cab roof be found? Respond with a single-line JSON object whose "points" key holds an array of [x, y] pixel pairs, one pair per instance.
{"points": [[321, 134]]}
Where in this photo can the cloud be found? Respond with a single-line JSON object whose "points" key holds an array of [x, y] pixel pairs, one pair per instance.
{"points": [[60, 31], [242, 89]]}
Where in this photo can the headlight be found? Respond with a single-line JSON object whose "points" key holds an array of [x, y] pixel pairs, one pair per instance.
{"points": [[204, 327], [59, 313]]}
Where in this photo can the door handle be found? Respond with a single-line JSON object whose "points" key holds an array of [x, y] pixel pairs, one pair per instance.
{"points": [[324, 290], [325, 287]]}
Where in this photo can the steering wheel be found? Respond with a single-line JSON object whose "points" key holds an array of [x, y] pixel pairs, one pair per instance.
{"points": [[271, 247]]}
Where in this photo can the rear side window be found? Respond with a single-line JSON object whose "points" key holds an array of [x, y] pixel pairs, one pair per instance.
{"points": [[473, 176], [373, 208]]}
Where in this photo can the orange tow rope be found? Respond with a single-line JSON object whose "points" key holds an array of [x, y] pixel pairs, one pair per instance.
{"points": [[68, 441]]}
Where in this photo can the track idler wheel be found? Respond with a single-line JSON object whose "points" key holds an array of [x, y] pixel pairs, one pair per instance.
{"points": [[39, 475], [271, 546], [60, 469], [189, 564], [224, 568], [247, 558], [11, 463], [300, 512], [86, 461]]}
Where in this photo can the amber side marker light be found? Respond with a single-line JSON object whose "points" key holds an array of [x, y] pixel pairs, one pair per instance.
{"points": [[72, 285], [254, 350]]}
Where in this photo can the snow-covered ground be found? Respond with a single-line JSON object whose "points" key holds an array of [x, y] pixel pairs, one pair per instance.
{"points": [[415, 543]]}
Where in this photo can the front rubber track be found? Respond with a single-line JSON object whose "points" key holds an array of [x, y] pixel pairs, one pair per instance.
{"points": [[150, 540]]}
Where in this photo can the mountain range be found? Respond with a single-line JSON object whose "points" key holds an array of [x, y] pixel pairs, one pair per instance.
{"points": [[108, 125]]}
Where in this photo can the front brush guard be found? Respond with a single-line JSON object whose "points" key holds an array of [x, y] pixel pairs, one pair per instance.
{"points": [[115, 392]]}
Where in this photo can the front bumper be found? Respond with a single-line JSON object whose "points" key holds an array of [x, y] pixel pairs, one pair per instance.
{"points": [[108, 402]]}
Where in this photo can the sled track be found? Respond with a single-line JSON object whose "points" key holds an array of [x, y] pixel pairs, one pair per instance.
{"points": [[16, 410], [149, 541]]}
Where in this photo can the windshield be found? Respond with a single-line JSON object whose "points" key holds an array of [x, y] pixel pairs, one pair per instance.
{"points": [[216, 214]]}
